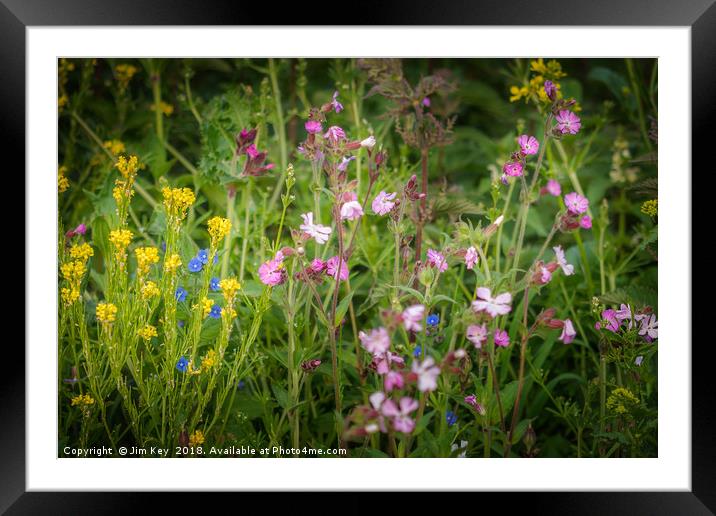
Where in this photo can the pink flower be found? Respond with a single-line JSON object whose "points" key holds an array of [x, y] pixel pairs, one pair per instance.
{"points": [[499, 305], [351, 210], [368, 143], [624, 314], [316, 231], [477, 334], [437, 260], [335, 134], [318, 265], [585, 222], [382, 362], [649, 328], [544, 275], [79, 230], [471, 258], [610, 317], [576, 204], [313, 127], [528, 144], [472, 401], [401, 420], [550, 89], [413, 317], [393, 380], [273, 272], [377, 341], [567, 268], [343, 165], [568, 332], [426, 101], [337, 106], [332, 268], [383, 203], [553, 188], [501, 338], [568, 122], [512, 168], [427, 373]]}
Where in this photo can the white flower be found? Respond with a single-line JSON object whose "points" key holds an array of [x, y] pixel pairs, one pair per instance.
{"points": [[368, 142], [499, 305], [427, 373], [567, 268], [316, 231]]}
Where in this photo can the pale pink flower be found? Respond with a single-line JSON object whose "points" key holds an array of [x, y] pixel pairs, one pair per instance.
{"points": [[512, 168], [382, 362], [567, 268], [351, 210], [343, 165], [273, 272], [313, 127], [649, 328], [376, 341], [553, 188], [437, 260], [368, 143], [319, 233], [575, 203], [335, 134], [477, 334], [499, 305], [624, 314], [393, 380], [528, 144], [332, 268], [568, 332], [568, 122], [401, 420], [501, 338], [337, 106], [471, 257], [383, 203], [413, 317], [544, 275], [427, 373], [376, 399]]}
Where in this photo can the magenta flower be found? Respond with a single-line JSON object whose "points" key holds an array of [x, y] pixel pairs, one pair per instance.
{"points": [[335, 134], [477, 334], [550, 89], [318, 265], [273, 272], [585, 222], [501, 338], [568, 332], [471, 257], [472, 401], [337, 106], [437, 260], [382, 362], [553, 188], [393, 380], [319, 233], [610, 317], [313, 127], [512, 168], [427, 373], [383, 203], [426, 101], [401, 420], [576, 204], [79, 230], [528, 144], [568, 122], [376, 341], [499, 305], [567, 268], [332, 268], [413, 317]]}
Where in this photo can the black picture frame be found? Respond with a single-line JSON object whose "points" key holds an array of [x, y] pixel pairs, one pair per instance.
{"points": [[699, 15]]}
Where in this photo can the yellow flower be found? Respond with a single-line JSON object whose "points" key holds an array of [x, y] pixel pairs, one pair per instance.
{"points": [[621, 400], [229, 287], [219, 227], [146, 257], [73, 271], [172, 263], [81, 252], [165, 108], [62, 102], [516, 93], [149, 290], [116, 147], [196, 439], [207, 305], [82, 399], [62, 182], [128, 167], [70, 295], [650, 207], [177, 201], [106, 313], [147, 332], [209, 360], [124, 74], [120, 238]]}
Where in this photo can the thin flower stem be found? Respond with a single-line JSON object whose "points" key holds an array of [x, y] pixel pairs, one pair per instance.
{"points": [[280, 130], [521, 376]]}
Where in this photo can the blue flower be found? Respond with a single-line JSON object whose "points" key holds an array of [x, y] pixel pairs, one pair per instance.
{"points": [[216, 258], [215, 312], [195, 265], [241, 384], [180, 324], [214, 284], [180, 294], [182, 364], [203, 256], [450, 417], [418, 350], [433, 319]]}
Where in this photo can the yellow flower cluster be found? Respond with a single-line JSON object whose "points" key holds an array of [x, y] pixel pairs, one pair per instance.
{"points": [[219, 227], [120, 238], [534, 89], [620, 400], [106, 313], [62, 101], [127, 167], [229, 287], [73, 272], [146, 257], [207, 304], [165, 108], [147, 332], [70, 295], [62, 182], [209, 360], [123, 187], [63, 69], [196, 439], [650, 207], [81, 252], [149, 290], [115, 147], [124, 74], [177, 201], [172, 263], [82, 399]]}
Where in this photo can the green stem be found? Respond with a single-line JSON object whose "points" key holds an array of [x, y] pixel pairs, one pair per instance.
{"points": [[281, 130]]}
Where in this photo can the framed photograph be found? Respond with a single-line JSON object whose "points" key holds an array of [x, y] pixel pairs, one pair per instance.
{"points": [[359, 258]]}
